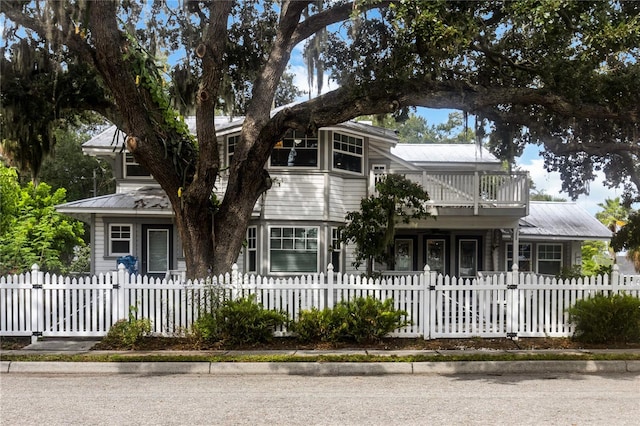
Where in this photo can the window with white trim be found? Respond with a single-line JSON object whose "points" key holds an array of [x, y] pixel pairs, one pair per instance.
{"points": [[231, 147], [120, 238], [293, 249], [524, 257], [295, 150], [347, 152], [549, 259], [252, 249], [132, 168], [336, 248]]}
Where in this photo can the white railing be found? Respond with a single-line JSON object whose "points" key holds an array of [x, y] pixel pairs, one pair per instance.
{"points": [[468, 189], [509, 304]]}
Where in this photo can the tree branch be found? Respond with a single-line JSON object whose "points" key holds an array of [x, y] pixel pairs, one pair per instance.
{"points": [[335, 14]]}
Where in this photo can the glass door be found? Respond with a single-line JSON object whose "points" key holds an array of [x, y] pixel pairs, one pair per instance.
{"points": [[436, 255], [404, 255], [156, 250], [467, 258]]}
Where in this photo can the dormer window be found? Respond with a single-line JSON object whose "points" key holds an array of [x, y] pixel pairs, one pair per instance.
{"points": [[132, 168], [295, 150], [347, 153]]}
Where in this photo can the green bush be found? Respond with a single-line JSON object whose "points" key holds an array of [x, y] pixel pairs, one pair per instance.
{"points": [[205, 328], [241, 321], [607, 319], [127, 333], [358, 320]]}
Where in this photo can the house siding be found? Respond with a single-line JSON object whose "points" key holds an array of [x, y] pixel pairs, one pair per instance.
{"points": [[295, 197], [345, 195]]}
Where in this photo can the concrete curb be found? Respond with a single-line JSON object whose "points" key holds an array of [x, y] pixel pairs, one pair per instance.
{"points": [[322, 368]]}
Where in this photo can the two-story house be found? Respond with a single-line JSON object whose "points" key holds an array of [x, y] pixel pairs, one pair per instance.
{"points": [[482, 218]]}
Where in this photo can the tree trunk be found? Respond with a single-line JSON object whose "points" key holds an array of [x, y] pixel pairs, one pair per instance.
{"points": [[232, 219]]}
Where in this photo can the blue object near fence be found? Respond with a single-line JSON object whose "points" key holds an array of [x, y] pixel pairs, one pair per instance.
{"points": [[129, 262]]}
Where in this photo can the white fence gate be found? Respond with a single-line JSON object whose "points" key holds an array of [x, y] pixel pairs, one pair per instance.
{"points": [[509, 304]]}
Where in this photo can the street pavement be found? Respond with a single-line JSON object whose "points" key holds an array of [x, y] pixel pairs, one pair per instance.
{"points": [[312, 368]]}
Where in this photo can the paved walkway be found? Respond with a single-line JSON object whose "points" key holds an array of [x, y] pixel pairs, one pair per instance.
{"points": [[71, 347]]}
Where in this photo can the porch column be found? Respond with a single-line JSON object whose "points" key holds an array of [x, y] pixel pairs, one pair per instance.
{"points": [[516, 247]]}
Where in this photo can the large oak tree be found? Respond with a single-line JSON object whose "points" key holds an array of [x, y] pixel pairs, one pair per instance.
{"points": [[562, 74]]}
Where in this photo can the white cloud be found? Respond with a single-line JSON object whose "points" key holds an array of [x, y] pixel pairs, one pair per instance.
{"points": [[550, 183], [301, 81]]}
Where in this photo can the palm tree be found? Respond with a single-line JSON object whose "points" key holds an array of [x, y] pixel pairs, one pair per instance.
{"points": [[634, 256], [614, 216]]}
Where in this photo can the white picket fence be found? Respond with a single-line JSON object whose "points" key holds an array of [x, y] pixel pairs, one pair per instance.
{"points": [[509, 304]]}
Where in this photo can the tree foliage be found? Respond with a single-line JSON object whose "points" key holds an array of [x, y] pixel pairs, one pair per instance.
{"points": [[32, 231], [77, 173], [562, 74], [371, 229], [415, 129], [40, 96]]}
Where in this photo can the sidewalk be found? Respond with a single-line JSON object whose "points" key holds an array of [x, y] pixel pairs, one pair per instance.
{"points": [[79, 347]]}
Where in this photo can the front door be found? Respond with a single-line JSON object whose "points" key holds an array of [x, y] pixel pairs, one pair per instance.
{"points": [[468, 256], [156, 249], [436, 254]]}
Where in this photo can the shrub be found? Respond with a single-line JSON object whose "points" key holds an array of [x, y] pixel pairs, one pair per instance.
{"points": [[127, 333], [358, 320], [205, 328], [605, 319], [372, 319], [241, 321]]}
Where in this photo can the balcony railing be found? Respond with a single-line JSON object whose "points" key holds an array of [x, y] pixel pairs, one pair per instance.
{"points": [[479, 190]]}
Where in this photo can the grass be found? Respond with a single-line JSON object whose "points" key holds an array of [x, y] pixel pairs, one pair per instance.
{"points": [[323, 358]]}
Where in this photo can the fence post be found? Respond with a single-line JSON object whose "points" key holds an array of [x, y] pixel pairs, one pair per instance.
{"points": [[234, 281], [513, 301], [425, 281], [329, 286], [121, 287], [615, 279], [37, 311]]}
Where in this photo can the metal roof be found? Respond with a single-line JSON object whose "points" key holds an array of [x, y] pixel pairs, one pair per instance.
{"points": [[425, 153], [111, 139], [146, 200], [562, 221]]}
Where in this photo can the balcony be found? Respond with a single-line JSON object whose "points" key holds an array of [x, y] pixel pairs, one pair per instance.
{"points": [[477, 190]]}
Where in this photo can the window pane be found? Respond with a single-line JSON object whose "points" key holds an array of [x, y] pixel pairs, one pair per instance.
{"points": [[436, 255], [468, 258], [158, 250], [295, 150], [347, 153], [291, 261], [548, 267], [295, 251], [119, 247]]}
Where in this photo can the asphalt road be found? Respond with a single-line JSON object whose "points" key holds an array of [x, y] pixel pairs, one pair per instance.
{"points": [[550, 399]]}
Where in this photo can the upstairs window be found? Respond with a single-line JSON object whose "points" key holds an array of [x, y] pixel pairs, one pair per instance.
{"points": [[295, 150], [347, 153], [132, 168]]}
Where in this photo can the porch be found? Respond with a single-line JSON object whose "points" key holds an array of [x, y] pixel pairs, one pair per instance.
{"points": [[479, 190]]}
